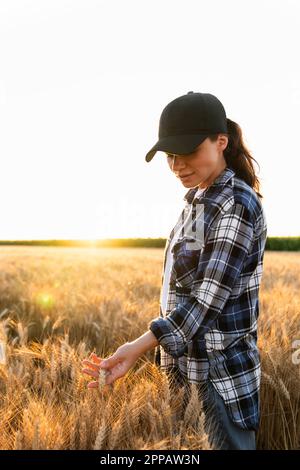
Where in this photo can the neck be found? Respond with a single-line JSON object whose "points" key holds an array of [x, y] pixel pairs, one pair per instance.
{"points": [[205, 183]]}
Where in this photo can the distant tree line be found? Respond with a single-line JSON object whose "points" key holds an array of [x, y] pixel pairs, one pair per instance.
{"points": [[273, 243]]}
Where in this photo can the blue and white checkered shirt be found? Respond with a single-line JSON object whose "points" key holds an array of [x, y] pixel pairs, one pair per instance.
{"points": [[209, 329]]}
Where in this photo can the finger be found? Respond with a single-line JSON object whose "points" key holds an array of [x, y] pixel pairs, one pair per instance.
{"points": [[95, 358], [92, 384], [114, 375], [109, 362], [104, 389], [94, 366], [91, 372]]}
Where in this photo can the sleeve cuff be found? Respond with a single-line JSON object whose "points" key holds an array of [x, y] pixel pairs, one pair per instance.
{"points": [[173, 343]]}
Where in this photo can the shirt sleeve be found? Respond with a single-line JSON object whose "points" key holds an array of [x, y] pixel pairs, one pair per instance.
{"points": [[220, 265]]}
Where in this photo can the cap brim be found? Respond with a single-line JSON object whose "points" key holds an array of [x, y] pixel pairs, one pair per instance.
{"points": [[179, 144]]}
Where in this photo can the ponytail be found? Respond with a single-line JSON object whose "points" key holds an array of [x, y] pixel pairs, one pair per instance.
{"points": [[238, 157]]}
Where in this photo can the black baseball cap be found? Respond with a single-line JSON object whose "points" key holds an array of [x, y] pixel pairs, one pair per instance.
{"points": [[188, 120]]}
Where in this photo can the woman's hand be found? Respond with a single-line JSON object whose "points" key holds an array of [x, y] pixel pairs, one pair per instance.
{"points": [[116, 365]]}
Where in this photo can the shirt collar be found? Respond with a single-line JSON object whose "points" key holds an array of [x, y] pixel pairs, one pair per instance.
{"points": [[221, 179]]}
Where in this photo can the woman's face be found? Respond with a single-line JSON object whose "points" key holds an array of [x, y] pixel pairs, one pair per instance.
{"points": [[202, 165]]}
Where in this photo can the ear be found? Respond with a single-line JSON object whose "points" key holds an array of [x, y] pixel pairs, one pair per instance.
{"points": [[223, 141]]}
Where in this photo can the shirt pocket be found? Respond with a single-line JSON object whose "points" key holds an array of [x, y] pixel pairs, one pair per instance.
{"points": [[186, 253]]}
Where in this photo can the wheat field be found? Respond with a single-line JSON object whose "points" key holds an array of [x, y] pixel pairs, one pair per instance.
{"points": [[57, 305]]}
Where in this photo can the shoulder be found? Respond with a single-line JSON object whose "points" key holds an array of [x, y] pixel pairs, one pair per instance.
{"points": [[234, 196], [245, 196]]}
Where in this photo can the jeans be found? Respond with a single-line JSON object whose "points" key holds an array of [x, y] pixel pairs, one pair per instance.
{"points": [[222, 432]]}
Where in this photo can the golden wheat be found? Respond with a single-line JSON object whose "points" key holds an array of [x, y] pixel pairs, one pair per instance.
{"points": [[59, 304]]}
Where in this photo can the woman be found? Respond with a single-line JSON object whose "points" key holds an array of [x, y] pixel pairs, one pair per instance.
{"points": [[206, 331]]}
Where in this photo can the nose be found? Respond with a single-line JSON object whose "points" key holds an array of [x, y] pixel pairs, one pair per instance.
{"points": [[177, 163]]}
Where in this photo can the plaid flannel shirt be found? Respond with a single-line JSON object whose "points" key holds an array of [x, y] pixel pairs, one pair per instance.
{"points": [[209, 330]]}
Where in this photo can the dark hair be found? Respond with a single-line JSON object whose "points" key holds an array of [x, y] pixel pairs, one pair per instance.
{"points": [[238, 157]]}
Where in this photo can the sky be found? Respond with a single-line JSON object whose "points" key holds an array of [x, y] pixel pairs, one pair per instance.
{"points": [[82, 87]]}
